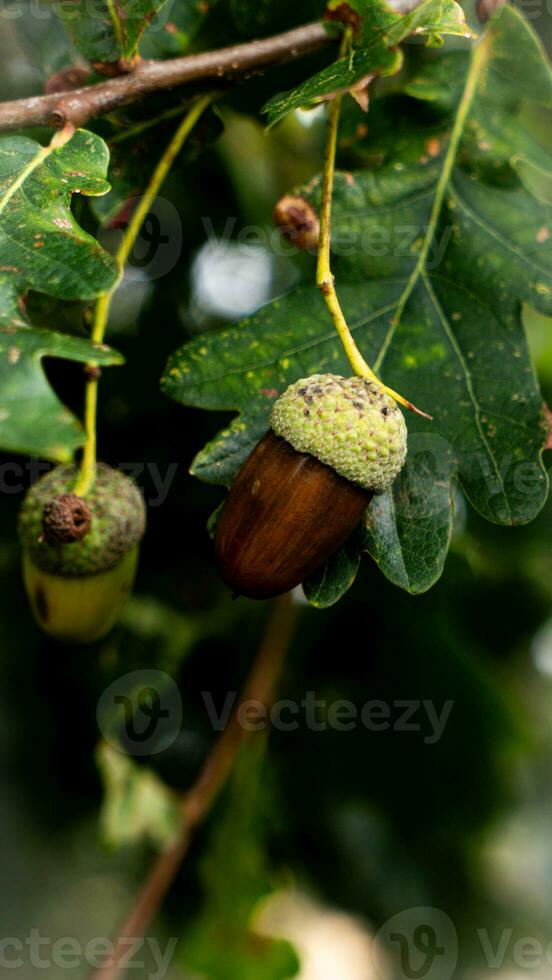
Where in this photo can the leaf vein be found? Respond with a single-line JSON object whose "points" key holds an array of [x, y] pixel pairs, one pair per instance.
{"points": [[469, 386]]}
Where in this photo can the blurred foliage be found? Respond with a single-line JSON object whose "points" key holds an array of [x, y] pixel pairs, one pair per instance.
{"points": [[221, 942], [137, 803]]}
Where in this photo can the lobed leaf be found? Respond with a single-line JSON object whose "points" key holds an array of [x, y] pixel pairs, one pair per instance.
{"points": [[336, 576], [408, 529], [43, 248]]}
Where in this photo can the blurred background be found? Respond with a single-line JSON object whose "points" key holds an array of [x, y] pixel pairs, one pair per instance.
{"points": [[350, 854]]}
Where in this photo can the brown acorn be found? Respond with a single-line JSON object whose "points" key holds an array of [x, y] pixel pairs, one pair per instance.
{"points": [[333, 443]]}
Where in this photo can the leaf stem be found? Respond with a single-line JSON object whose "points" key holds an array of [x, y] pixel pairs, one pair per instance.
{"points": [[197, 803], [87, 473], [130, 132], [324, 277]]}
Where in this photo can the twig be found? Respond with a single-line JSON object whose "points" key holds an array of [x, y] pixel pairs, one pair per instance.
{"points": [[226, 64], [101, 313], [198, 801], [324, 276]]}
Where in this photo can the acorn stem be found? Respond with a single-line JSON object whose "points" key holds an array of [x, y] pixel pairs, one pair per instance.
{"points": [[324, 277], [87, 471]]}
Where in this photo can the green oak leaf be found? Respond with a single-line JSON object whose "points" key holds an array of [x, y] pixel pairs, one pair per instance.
{"points": [[33, 421], [494, 132], [433, 20], [42, 248], [408, 529], [375, 51], [327, 585], [107, 31], [440, 82], [518, 68], [434, 259]]}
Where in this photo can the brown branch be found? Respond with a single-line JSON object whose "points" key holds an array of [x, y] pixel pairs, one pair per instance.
{"points": [[226, 64], [198, 801]]}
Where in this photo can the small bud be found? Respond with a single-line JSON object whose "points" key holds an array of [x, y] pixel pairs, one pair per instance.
{"points": [[112, 69], [67, 80], [298, 222]]}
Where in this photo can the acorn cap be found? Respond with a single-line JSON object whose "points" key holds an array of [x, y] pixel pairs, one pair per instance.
{"points": [[350, 424], [52, 518]]}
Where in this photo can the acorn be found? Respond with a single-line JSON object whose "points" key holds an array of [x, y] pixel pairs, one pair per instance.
{"points": [[333, 443], [80, 554]]}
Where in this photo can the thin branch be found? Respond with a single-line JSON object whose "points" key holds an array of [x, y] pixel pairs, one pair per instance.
{"points": [[324, 277], [87, 473], [198, 801], [226, 64]]}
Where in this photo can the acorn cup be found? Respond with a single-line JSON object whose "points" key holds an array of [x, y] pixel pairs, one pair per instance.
{"points": [[80, 555], [334, 442]]}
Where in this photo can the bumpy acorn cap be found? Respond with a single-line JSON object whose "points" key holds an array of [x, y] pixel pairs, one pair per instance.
{"points": [[51, 520], [350, 424]]}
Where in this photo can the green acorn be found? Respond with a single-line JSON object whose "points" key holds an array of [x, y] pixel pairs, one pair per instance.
{"points": [[334, 442], [80, 555]]}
